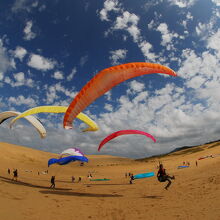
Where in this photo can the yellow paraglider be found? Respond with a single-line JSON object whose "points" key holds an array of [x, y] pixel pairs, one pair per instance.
{"points": [[57, 109], [34, 121]]}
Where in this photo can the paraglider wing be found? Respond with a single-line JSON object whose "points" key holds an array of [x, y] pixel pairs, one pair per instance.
{"points": [[72, 152], [57, 109], [143, 175], [104, 81], [66, 160], [123, 132], [34, 121]]}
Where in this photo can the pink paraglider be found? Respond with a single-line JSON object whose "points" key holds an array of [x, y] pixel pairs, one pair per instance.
{"points": [[123, 132]]}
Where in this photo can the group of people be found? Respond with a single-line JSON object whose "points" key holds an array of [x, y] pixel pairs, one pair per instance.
{"points": [[162, 176], [131, 176], [15, 174], [73, 179], [52, 180]]}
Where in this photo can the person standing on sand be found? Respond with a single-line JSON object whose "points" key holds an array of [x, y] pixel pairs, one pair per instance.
{"points": [[196, 163], [79, 179], [131, 178], [73, 179], [9, 171], [162, 176], [15, 175], [52, 182]]}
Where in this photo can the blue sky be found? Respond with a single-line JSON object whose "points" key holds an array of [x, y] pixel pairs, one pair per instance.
{"points": [[50, 49]]}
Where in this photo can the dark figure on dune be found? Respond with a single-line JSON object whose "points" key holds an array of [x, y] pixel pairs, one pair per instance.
{"points": [[131, 178], [15, 175], [163, 176], [52, 182]]}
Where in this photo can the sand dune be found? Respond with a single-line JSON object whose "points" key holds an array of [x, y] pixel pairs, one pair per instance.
{"points": [[194, 194]]}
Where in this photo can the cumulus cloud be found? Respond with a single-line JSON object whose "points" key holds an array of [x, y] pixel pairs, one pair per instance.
{"points": [[128, 21], [58, 75], [72, 74], [108, 107], [19, 77], [19, 80], [20, 52], [167, 36], [117, 55], [41, 63], [217, 2], [53, 93], [146, 49], [212, 42], [1, 76], [28, 34], [21, 100], [5, 62], [135, 87], [26, 6], [109, 5], [183, 3]]}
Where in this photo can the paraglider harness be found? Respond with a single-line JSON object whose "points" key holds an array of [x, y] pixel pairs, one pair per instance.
{"points": [[163, 176]]}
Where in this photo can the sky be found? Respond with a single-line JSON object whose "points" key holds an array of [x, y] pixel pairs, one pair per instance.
{"points": [[50, 49]]}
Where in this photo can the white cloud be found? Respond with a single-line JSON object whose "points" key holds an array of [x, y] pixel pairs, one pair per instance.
{"points": [[20, 52], [109, 5], [108, 107], [40, 62], [27, 5], [204, 30], [83, 60], [135, 87], [217, 2], [20, 5], [212, 42], [196, 82], [53, 91], [5, 63], [128, 21], [108, 95], [21, 100], [19, 77], [72, 74], [167, 37], [117, 55], [1, 76], [151, 24], [58, 75], [28, 34], [146, 49], [183, 3], [19, 80]]}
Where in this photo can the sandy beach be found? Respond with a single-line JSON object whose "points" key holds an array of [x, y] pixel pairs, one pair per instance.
{"points": [[194, 194]]}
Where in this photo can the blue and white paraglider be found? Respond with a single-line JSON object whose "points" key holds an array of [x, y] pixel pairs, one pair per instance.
{"points": [[66, 160]]}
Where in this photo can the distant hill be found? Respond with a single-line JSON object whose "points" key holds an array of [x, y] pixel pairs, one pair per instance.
{"points": [[183, 150], [186, 147]]}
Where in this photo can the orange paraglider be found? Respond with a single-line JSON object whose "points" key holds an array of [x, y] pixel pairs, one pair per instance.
{"points": [[104, 81]]}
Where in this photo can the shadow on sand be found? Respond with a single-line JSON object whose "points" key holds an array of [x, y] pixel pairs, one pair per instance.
{"points": [[152, 197], [8, 180], [77, 194]]}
